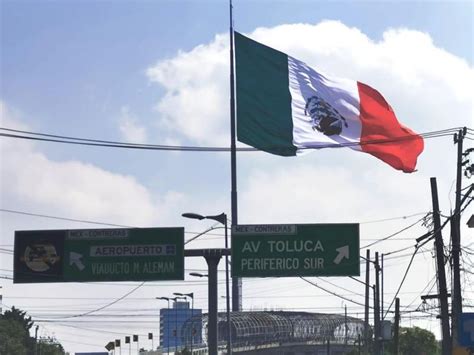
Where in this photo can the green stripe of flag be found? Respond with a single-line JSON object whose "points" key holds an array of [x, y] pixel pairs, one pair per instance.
{"points": [[263, 97]]}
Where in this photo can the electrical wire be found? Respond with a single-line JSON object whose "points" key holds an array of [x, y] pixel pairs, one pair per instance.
{"points": [[394, 234], [29, 135], [107, 305], [63, 218], [332, 293], [395, 218], [401, 283]]}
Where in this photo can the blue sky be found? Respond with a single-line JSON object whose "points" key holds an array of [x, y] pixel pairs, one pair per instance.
{"points": [[93, 54], [88, 68]]}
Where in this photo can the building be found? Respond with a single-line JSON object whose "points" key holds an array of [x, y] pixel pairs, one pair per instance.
{"points": [[172, 321]]}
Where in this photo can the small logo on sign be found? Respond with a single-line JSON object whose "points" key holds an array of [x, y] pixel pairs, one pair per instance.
{"points": [[40, 257]]}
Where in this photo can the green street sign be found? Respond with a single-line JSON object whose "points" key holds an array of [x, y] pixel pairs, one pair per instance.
{"points": [[280, 250], [78, 255]]}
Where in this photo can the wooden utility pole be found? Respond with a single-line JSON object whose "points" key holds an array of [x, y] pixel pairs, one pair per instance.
{"points": [[443, 293], [377, 323], [456, 299], [376, 348], [396, 331], [367, 300]]}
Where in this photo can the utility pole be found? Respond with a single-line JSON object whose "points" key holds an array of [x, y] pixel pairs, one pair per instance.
{"points": [[397, 326], [382, 317], [36, 340], [456, 299], [376, 348], [443, 293], [345, 326], [377, 323], [367, 294]]}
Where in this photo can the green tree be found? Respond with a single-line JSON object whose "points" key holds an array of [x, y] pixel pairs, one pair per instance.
{"points": [[13, 337], [416, 341], [50, 346], [20, 316]]}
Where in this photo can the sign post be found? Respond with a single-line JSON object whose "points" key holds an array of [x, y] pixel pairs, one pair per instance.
{"points": [[280, 250], [81, 255]]}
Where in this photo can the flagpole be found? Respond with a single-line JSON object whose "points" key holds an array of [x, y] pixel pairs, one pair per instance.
{"points": [[233, 153], [236, 296]]}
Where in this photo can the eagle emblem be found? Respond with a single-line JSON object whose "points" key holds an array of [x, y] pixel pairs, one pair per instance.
{"points": [[324, 117]]}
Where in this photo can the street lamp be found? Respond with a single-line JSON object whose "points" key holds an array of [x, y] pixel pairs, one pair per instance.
{"points": [[197, 274], [190, 295], [221, 218]]}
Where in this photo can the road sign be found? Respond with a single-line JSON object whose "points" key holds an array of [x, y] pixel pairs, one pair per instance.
{"points": [[277, 250], [466, 330], [77, 255]]}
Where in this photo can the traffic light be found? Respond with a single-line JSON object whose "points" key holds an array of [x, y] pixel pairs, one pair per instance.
{"points": [[135, 338], [117, 342], [150, 336], [127, 340]]}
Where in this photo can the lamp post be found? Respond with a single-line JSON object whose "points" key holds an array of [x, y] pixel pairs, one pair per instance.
{"points": [[167, 322], [190, 295], [221, 218]]}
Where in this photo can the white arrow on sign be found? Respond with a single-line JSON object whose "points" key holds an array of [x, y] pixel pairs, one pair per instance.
{"points": [[343, 253], [75, 259]]}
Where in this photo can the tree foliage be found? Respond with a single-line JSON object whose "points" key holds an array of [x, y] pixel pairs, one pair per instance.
{"points": [[19, 316], [15, 336], [418, 341], [414, 341], [50, 346]]}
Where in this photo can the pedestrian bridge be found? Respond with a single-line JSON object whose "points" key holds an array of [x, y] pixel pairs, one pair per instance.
{"points": [[265, 332]]}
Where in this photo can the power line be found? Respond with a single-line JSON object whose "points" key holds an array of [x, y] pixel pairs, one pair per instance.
{"points": [[332, 293], [107, 305], [20, 134], [394, 218], [401, 283], [63, 218], [394, 234]]}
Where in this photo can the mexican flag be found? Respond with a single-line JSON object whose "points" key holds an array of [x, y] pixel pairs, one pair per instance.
{"points": [[284, 107]]}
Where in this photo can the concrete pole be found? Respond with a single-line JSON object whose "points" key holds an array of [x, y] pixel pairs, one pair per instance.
{"points": [[377, 325], [367, 300], [397, 327], [456, 244], [443, 293]]}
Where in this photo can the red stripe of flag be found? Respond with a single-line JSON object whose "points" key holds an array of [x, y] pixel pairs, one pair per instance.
{"points": [[379, 124]]}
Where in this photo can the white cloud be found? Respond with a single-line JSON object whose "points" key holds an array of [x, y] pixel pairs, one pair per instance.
{"points": [[429, 88], [72, 188], [197, 88], [130, 128]]}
